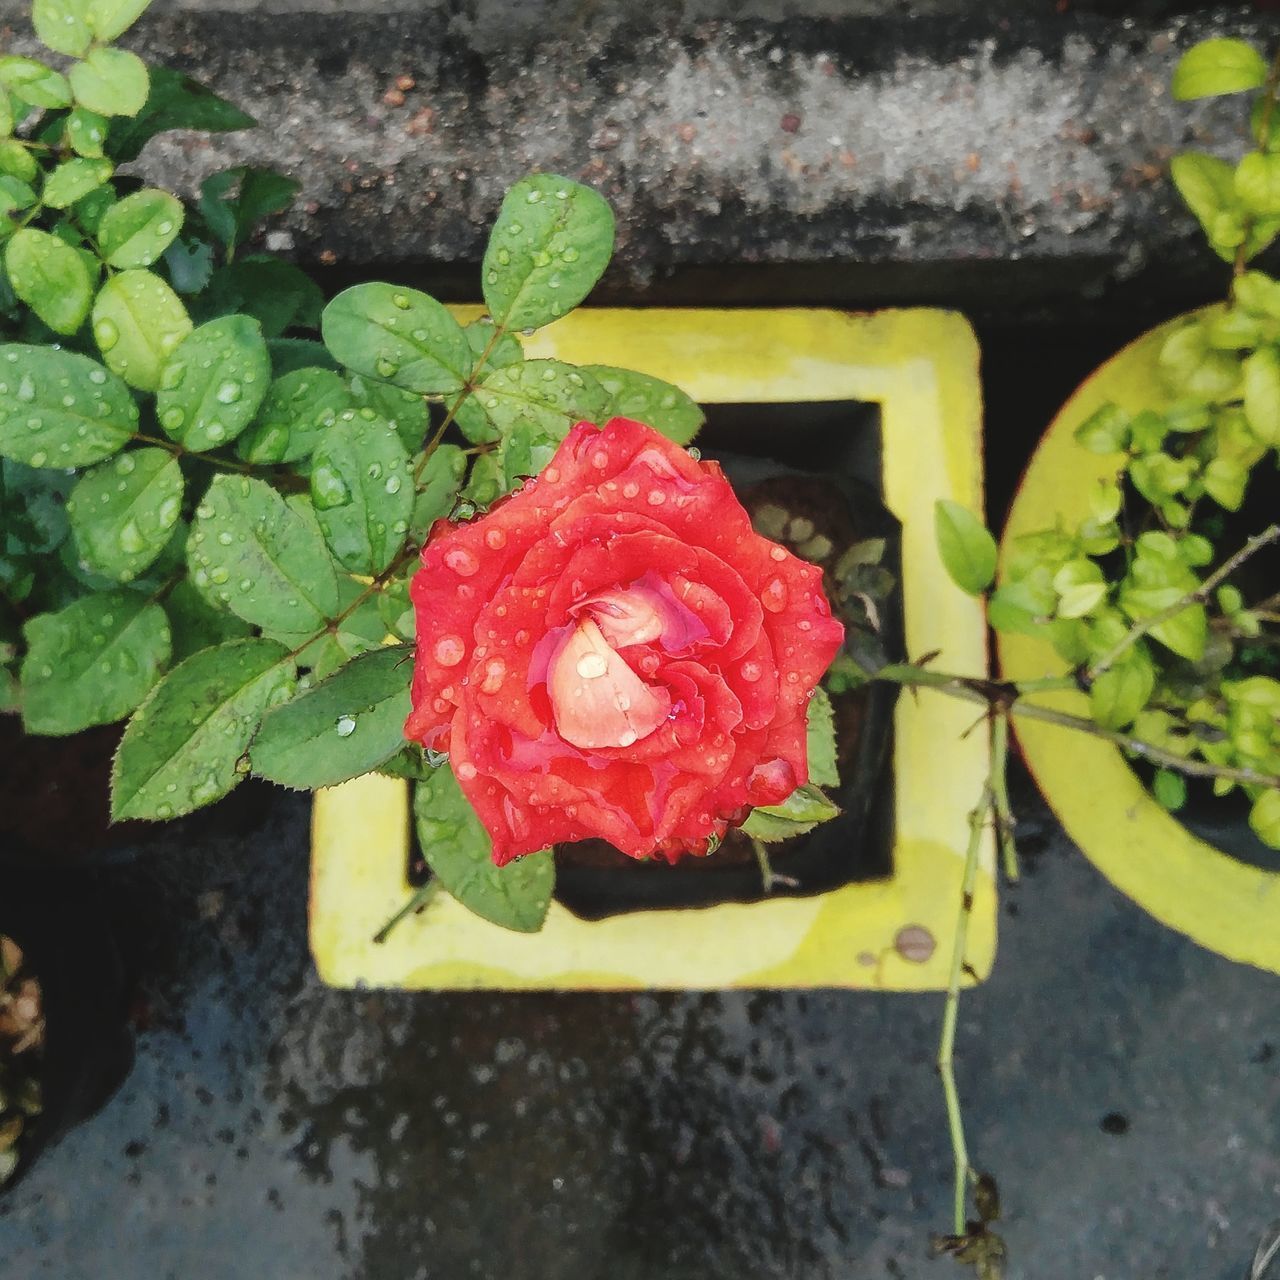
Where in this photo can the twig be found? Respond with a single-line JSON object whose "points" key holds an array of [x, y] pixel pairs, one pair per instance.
{"points": [[1000, 795], [951, 1012], [996, 693], [1198, 596], [767, 873]]}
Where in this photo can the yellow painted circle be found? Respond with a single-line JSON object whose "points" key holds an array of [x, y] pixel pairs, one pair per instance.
{"points": [[1224, 904]]}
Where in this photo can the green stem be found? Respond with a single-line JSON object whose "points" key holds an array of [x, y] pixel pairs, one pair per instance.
{"points": [[419, 900], [767, 873], [1000, 795], [951, 1011]]}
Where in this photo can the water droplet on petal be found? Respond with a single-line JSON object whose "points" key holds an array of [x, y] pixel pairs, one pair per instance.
{"points": [[449, 650], [461, 561], [774, 596]]}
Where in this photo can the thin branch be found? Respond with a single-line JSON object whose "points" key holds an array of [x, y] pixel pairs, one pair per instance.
{"points": [[419, 900], [1198, 596], [767, 873], [1000, 794], [951, 1011]]}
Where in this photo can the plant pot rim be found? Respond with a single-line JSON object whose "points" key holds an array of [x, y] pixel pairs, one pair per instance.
{"points": [[920, 366], [1219, 901]]}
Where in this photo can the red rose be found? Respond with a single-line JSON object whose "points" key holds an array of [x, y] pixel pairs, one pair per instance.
{"points": [[614, 652]]}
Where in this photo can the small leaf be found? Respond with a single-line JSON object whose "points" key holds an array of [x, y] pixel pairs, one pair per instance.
{"points": [[87, 132], [1207, 184], [458, 850], [50, 277], [212, 384], [136, 231], [805, 808], [138, 321], [194, 624], [546, 396], [1225, 481], [183, 748], [35, 385], [822, 741], [175, 101], [437, 488], [63, 25], [1262, 394], [968, 550], [235, 201], [1264, 818], [551, 243], [123, 512], [32, 82], [400, 336], [74, 179], [342, 727], [362, 489], [1257, 183], [298, 409], [92, 662], [658, 404], [1119, 693], [1170, 789], [112, 82], [277, 294], [407, 413], [262, 557], [487, 481], [1215, 67], [1186, 633], [112, 18]]}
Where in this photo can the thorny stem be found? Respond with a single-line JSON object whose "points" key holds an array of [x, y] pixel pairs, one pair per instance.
{"points": [[1197, 596], [951, 1012], [992, 692], [1269, 91], [1000, 795]]}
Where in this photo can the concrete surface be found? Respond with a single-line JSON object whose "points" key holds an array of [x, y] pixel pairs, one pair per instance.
{"points": [[273, 1128]]}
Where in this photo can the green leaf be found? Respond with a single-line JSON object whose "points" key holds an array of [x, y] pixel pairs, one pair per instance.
{"points": [[437, 488], [183, 748], [14, 197], [1185, 633], [263, 557], [822, 741], [805, 808], [1257, 183], [546, 396], [1207, 184], [298, 409], [1215, 67], [967, 549], [660, 405], [458, 850], [50, 277], [1264, 818], [1225, 481], [73, 179], [212, 384], [194, 624], [487, 481], [137, 230], [32, 82], [360, 631], [258, 193], [341, 728], [63, 25], [175, 101], [111, 82], [291, 354], [277, 294], [1170, 789], [92, 662], [362, 489], [123, 512], [1262, 394], [551, 243], [112, 18], [17, 162], [35, 384], [1119, 693], [138, 321], [407, 413], [400, 336], [87, 132], [480, 337]]}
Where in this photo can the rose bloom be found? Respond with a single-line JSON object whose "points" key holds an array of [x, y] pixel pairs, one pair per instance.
{"points": [[614, 652]]}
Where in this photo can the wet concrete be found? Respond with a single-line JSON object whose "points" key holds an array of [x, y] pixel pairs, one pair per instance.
{"points": [[1124, 1084]]}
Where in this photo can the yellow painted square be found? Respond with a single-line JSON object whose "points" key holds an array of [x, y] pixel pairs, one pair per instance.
{"points": [[921, 368]]}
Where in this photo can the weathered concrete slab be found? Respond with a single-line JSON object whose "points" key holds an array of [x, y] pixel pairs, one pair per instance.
{"points": [[939, 146]]}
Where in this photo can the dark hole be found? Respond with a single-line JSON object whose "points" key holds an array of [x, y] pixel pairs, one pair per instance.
{"points": [[1115, 1124]]}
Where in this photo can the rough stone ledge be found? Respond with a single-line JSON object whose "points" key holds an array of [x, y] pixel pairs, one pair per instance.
{"points": [[927, 157]]}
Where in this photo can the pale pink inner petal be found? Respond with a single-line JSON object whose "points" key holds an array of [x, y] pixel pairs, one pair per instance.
{"points": [[643, 612], [597, 700]]}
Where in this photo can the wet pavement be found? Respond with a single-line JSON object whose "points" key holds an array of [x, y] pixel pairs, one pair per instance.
{"points": [[1123, 1084]]}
